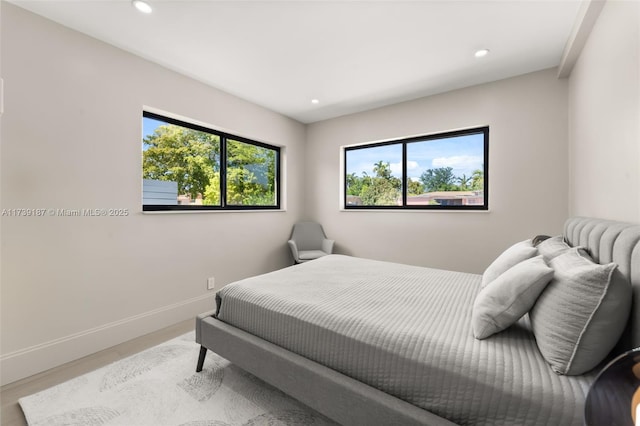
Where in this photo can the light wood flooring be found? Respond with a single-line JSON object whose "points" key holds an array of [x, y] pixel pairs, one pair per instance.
{"points": [[11, 414]]}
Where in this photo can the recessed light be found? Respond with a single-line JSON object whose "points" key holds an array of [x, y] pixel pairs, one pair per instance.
{"points": [[315, 101], [142, 6], [481, 53]]}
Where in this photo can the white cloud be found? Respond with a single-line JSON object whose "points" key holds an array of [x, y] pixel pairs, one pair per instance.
{"points": [[458, 162], [396, 168]]}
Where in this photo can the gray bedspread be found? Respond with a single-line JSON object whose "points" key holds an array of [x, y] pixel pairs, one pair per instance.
{"points": [[407, 331]]}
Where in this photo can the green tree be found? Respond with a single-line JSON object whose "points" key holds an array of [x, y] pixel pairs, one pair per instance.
{"points": [[189, 157], [477, 180], [250, 178], [382, 170], [212, 192], [440, 179], [415, 187], [463, 182], [380, 193], [383, 189], [355, 183], [192, 159]]}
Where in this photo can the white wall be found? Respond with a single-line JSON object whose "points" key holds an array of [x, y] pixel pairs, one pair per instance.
{"points": [[71, 138], [604, 118], [527, 116]]}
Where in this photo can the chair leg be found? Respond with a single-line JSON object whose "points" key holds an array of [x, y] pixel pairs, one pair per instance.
{"points": [[203, 354]]}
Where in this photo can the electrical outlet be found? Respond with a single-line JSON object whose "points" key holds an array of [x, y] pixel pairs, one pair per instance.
{"points": [[211, 283]]}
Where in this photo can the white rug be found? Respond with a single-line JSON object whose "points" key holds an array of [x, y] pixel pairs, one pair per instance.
{"points": [[160, 387]]}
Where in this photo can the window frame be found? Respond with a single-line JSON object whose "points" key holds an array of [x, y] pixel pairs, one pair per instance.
{"points": [[484, 130], [223, 170]]}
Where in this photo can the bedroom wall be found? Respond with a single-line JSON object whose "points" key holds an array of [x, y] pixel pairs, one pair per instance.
{"points": [[528, 178], [71, 138], [604, 118]]}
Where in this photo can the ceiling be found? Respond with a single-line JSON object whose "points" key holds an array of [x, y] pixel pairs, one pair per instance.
{"points": [[349, 55]]}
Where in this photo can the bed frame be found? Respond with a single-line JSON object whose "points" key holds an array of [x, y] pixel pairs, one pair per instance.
{"points": [[350, 402]]}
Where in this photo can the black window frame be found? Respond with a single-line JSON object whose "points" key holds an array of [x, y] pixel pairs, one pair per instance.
{"points": [[223, 170], [484, 130]]}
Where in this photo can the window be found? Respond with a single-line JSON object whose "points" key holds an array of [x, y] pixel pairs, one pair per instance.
{"points": [[190, 167], [447, 171]]}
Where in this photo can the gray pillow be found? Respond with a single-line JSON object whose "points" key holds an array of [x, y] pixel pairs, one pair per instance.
{"points": [[552, 247], [581, 314], [507, 298], [510, 257]]}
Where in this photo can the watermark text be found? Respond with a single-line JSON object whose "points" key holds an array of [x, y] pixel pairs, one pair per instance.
{"points": [[60, 212]]}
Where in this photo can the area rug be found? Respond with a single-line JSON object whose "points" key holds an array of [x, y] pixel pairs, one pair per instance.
{"points": [[160, 387]]}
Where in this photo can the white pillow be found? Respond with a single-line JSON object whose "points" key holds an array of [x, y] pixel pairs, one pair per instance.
{"points": [[553, 247], [507, 298], [510, 257], [581, 314]]}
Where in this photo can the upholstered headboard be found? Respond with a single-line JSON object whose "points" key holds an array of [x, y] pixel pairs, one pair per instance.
{"points": [[610, 241]]}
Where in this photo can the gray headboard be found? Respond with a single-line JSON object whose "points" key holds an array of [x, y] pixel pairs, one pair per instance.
{"points": [[610, 241]]}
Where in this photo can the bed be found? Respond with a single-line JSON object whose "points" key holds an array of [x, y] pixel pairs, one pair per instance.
{"points": [[370, 342]]}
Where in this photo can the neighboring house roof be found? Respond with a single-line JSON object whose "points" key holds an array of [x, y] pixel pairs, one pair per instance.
{"points": [[448, 194]]}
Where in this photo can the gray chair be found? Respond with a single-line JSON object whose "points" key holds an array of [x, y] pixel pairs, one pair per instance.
{"points": [[308, 241]]}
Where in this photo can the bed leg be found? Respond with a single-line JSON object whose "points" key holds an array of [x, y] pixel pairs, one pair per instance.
{"points": [[203, 354]]}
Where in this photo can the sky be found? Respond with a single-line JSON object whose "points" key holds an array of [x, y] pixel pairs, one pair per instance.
{"points": [[462, 153], [149, 125]]}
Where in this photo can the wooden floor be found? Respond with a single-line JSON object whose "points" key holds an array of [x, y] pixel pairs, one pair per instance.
{"points": [[11, 414]]}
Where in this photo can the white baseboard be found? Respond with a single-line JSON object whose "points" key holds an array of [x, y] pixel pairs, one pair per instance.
{"points": [[35, 359]]}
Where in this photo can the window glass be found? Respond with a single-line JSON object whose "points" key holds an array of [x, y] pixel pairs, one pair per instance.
{"points": [[182, 168], [446, 171], [443, 171], [374, 176], [251, 174]]}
